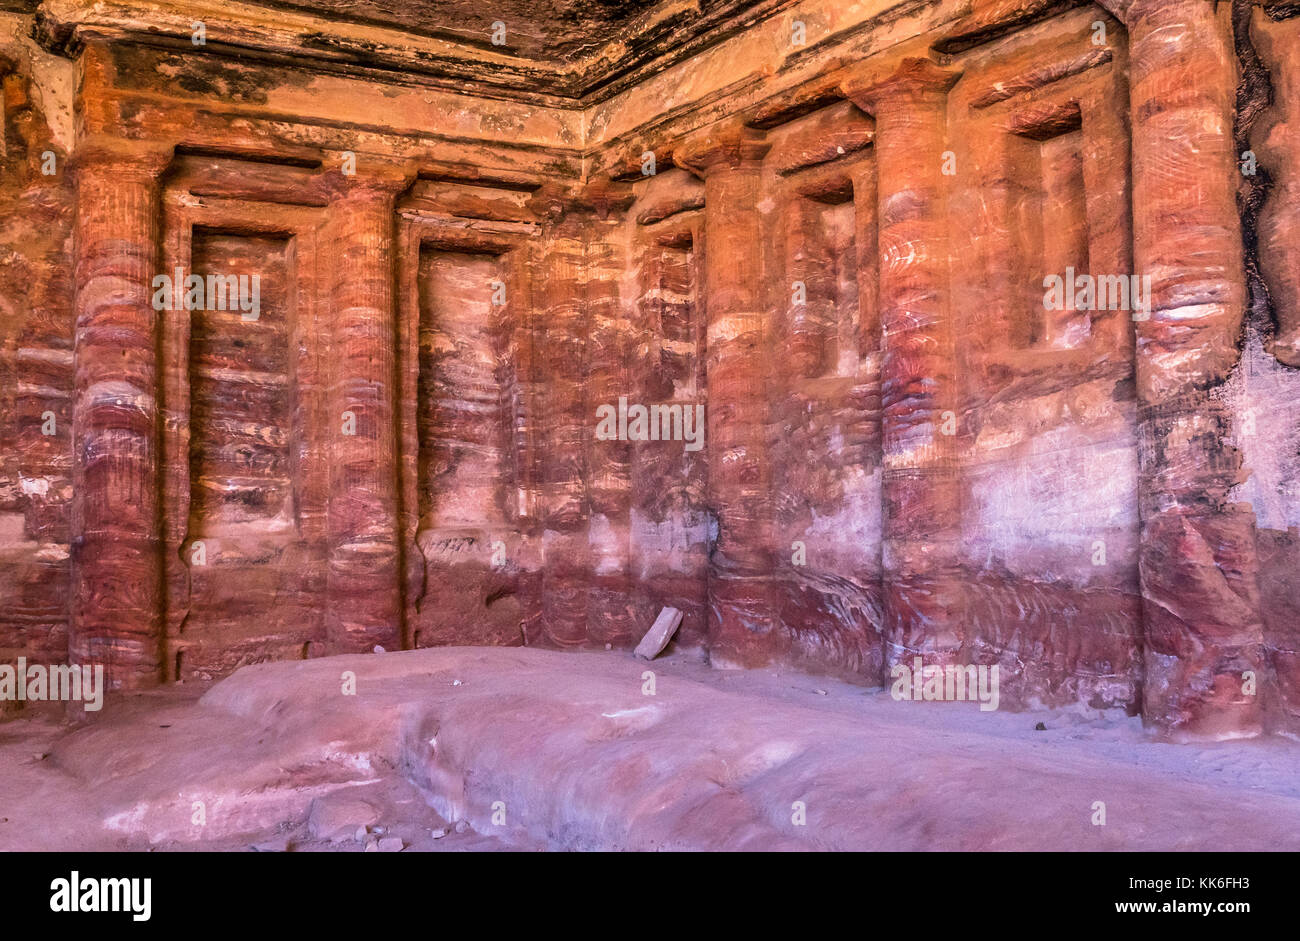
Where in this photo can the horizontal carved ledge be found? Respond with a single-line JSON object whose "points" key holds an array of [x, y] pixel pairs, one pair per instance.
{"points": [[349, 176], [914, 78], [600, 196], [729, 145], [122, 155]]}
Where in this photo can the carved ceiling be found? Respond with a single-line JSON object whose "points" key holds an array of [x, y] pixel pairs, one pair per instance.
{"points": [[560, 49]]}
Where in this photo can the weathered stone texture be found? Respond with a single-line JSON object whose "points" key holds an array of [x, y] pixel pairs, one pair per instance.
{"points": [[837, 244], [36, 362]]}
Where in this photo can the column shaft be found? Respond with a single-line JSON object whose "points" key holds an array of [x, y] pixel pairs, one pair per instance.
{"points": [[1200, 594], [920, 424], [364, 582], [567, 425], [116, 604], [742, 603]]}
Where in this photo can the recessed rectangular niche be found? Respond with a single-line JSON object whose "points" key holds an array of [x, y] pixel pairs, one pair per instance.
{"points": [[242, 389], [823, 258], [462, 403], [672, 317], [1051, 224]]}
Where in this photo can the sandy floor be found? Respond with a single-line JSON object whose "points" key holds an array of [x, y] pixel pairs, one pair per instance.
{"points": [[462, 749]]}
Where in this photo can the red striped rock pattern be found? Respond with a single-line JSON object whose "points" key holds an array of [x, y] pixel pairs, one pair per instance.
{"points": [[837, 250]]}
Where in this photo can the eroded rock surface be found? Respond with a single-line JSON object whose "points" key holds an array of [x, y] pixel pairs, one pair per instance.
{"points": [[803, 254], [482, 748]]}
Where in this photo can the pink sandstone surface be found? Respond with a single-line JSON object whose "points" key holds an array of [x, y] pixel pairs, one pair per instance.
{"points": [[827, 227]]}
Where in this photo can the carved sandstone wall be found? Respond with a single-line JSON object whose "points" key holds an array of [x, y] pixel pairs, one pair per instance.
{"points": [[828, 224]]}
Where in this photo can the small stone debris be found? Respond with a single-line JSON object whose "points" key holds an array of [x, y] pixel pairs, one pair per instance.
{"points": [[438, 833], [462, 826], [372, 846], [338, 817], [379, 649], [820, 692], [455, 682], [361, 834], [660, 633], [391, 844], [279, 844], [1040, 727]]}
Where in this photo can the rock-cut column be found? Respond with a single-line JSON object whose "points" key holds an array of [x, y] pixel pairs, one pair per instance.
{"points": [[1200, 593], [561, 342], [610, 603], [743, 619], [364, 581], [116, 604], [919, 420], [583, 359]]}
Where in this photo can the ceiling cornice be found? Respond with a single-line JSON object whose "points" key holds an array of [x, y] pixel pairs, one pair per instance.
{"points": [[648, 45]]}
